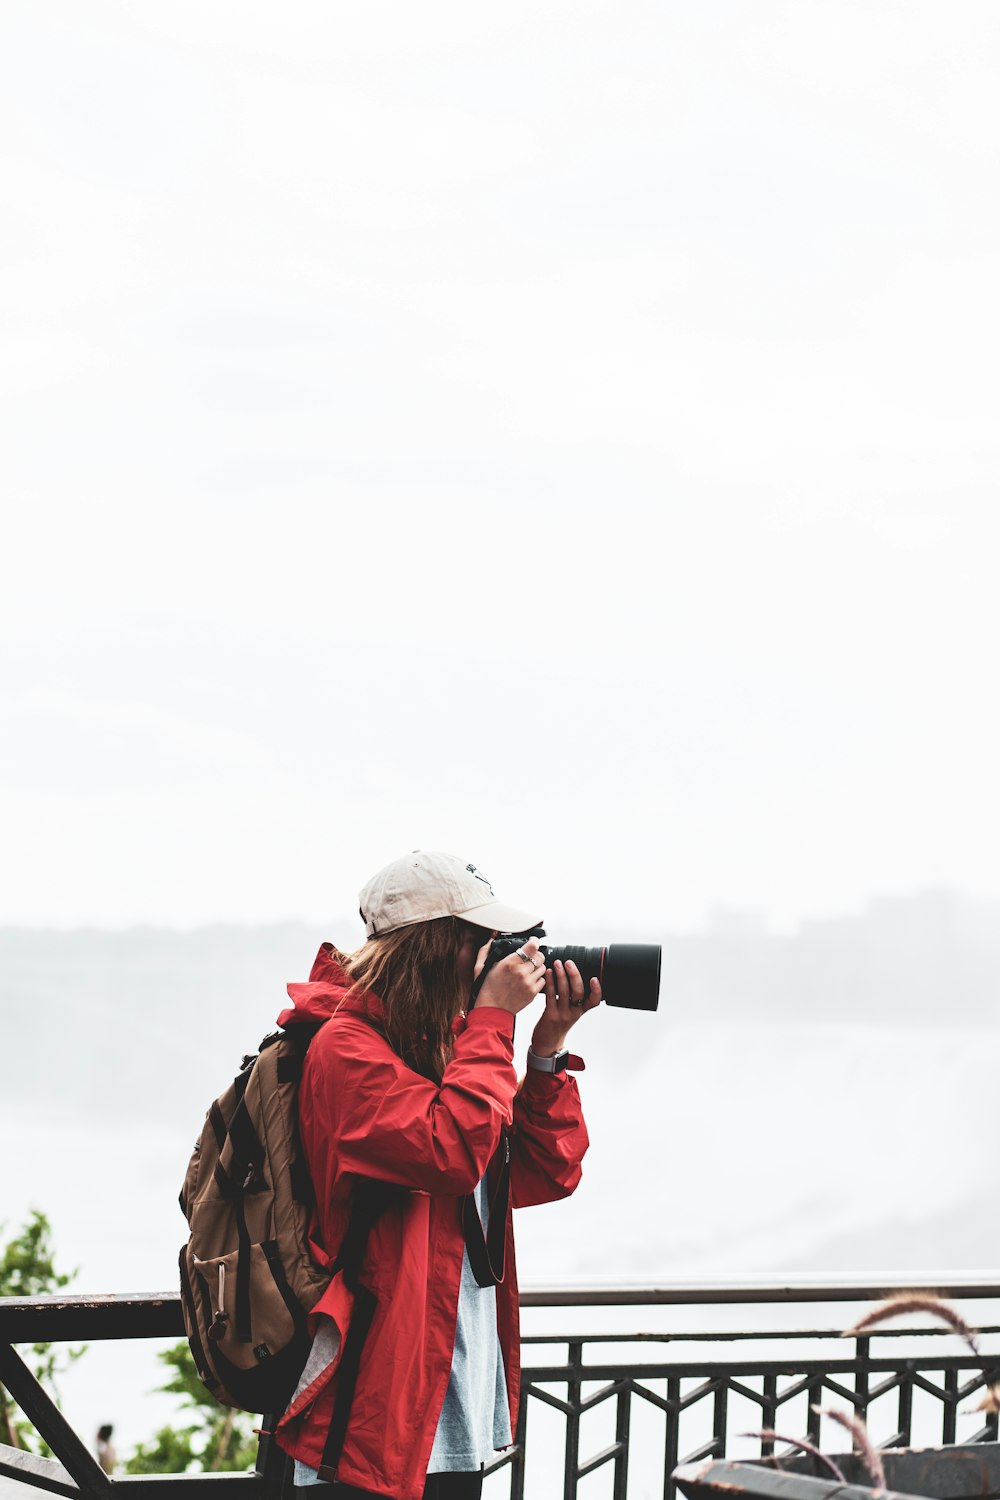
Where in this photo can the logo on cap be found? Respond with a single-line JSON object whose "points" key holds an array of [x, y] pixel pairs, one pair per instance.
{"points": [[473, 871]]}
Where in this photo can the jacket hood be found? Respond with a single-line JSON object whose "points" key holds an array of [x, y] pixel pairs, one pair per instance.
{"points": [[325, 992]]}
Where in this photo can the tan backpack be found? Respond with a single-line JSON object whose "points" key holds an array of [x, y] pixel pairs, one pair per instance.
{"points": [[247, 1277]]}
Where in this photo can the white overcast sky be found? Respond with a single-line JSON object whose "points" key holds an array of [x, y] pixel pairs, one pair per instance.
{"points": [[560, 433]]}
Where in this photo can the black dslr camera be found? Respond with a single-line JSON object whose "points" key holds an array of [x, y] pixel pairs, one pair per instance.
{"points": [[629, 973]]}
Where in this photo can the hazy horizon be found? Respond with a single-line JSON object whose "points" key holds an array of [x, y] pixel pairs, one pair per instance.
{"points": [[729, 920]]}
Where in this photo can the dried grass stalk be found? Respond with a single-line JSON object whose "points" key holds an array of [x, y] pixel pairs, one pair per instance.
{"points": [[901, 1303], [768, 1435], [926, 1302], [859, 1432]]}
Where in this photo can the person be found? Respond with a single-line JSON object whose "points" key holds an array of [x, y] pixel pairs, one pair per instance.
{"points": [[408, 1087], [106, 1455]]}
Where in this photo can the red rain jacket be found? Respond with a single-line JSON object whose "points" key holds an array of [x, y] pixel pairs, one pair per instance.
{"points": [[364, 1113]]}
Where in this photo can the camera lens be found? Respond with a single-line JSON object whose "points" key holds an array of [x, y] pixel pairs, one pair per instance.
{"points": [[629, 972]]}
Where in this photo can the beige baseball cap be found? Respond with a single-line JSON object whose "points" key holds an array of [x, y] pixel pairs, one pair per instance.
{"points": [[424, 885]]}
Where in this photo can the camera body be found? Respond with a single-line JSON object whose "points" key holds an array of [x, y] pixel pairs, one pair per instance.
{"points": [[629, 973]]}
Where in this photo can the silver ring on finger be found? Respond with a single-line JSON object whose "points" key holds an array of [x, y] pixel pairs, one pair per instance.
{"points": [[576, 1004], [526, 956]]}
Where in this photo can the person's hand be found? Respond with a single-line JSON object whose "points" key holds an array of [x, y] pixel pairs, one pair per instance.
{"points": [[565, 1003], [516, 980]]}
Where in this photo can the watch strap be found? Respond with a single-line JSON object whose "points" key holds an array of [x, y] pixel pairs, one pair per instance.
{"points": [[555, 1064]]}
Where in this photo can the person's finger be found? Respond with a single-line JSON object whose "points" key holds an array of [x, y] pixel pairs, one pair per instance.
{"points": [[530, 955], [561, 986], [574, 984]]}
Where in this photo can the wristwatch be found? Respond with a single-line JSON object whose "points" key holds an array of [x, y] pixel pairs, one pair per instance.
{"points": [[556, 1064]]}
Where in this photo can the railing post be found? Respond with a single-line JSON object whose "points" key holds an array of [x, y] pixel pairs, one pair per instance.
{"points": [[769, 1413], [273, 1465], [574, 1388], [521, 1439], [672, 1436], [813, 1418], [950, 1414], [862, 1353], [621, 1438], [905, 1423], [720, 1416]]}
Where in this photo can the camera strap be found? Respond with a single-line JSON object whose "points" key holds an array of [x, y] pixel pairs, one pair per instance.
{"points": [[487, 1250]]}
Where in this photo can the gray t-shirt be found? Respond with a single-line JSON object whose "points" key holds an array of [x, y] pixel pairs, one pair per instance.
{"points": [[475, 1418]]}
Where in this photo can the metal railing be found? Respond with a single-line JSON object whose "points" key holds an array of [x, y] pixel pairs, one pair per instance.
{"points": [[592, 1400]]}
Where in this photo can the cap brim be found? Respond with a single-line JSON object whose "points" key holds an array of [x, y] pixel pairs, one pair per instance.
{"points": [[501, 918]]}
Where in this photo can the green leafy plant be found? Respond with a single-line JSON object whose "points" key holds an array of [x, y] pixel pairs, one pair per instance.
{"points": [[27, 1269], [219, 1439]]}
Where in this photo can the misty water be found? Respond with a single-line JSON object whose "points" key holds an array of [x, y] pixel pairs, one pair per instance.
{"points": [[729, 1138]]}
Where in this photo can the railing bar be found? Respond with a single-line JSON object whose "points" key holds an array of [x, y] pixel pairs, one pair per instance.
{"points": [[790, 1392], [780, 1291], [707, 1450], [928, 1386], [39, 1473], [744, 1390], [769, 1407], [276, 1469], [590, 1464], [707, 1370], [906, 1406], [611, 1389], [971, 1385], [622, 1432], [53, 1320], [813, 1418], [501, 1461], [950, 1410], [547, 1397], [651, 1398], [720, 1417], [841, 1391], [571, 1470], [671, 1436], [521, 1442], [952, 1285], [757, 1335], [700, 1391], [861, 1381], [50, 1423], [885, 1386]]}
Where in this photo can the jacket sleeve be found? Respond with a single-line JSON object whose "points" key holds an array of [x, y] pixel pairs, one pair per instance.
{"points": [[549, 1139], [384, 1121]]}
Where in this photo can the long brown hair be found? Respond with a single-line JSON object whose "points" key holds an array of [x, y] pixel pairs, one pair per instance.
{"points": [[414, 972]]}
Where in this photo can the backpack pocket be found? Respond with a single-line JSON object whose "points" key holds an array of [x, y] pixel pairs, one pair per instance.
{"points": [[256, 1337]]}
